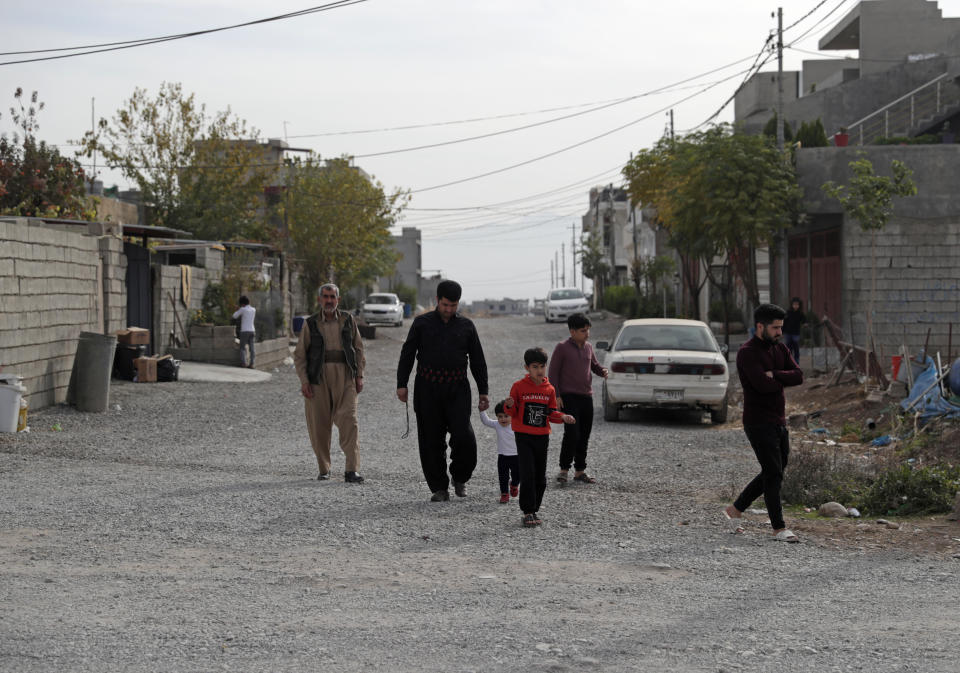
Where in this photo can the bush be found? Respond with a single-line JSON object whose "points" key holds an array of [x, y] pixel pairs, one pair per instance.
{"points": [[814, 477], [620, 299], [906, 490]]}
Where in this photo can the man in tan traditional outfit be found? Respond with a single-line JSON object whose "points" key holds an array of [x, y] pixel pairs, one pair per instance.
{"points": [[329, 361]]}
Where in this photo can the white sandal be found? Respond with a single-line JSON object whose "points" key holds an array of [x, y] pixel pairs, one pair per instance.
{"points": [[786, 535], [736, 525]]}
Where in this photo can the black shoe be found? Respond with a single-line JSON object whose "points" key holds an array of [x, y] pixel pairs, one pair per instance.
{"points": [[440, 496], [352, 478], [323, 476], [460, 488]]}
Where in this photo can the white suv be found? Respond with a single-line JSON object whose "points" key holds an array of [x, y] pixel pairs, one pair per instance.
{"points": [[563, 302]]}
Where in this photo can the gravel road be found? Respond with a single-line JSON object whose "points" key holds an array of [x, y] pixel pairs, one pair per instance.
{"points": [[186, 532]]}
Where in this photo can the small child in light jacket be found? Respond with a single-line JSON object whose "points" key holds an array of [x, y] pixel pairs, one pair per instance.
{"points": [[508, 466]]}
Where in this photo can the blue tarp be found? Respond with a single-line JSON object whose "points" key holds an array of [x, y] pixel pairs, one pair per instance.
{"points": [[933, 404]]}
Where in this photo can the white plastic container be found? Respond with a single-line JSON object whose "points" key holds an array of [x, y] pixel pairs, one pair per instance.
{"points": [[10, 396]]}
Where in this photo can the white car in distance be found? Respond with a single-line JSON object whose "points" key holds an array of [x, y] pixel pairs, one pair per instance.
{"points": [[663, 363], [383, 307], [563, 302]]}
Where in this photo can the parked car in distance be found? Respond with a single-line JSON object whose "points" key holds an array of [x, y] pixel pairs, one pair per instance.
{"points": [[383, 307], [664, 363], [564, 301]]}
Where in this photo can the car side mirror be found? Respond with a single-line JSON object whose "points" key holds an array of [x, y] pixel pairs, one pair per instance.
{"points": [[724, 348], [603, 345]]}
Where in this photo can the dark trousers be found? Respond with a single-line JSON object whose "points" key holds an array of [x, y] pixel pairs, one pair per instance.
{"points": [[532, 456], [573, 450], [771, 444], [443, 408], [792, 342], [508, 468]]}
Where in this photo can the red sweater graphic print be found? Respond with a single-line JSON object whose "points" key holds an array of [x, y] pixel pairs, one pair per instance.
{"points": [[533, 406]]}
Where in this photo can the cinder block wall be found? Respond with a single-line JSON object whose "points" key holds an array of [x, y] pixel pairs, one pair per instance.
{"points": [[917, 284], [167, 284], [54, 284]]}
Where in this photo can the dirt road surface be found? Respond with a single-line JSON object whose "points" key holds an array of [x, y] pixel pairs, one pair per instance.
{"points": [[185, 530]]}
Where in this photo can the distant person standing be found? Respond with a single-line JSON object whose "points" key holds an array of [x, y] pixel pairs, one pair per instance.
{"points": [[444, 344], [246, 313], [572, 366], [766, 367], [792, 327], [329, 361]]}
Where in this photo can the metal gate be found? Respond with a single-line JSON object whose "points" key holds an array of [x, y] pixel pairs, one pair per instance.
{"points": [[139, 290]]}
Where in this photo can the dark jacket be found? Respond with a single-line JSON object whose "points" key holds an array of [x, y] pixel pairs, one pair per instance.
{"points": [[316, 348], [442, 350], [763, 400]]}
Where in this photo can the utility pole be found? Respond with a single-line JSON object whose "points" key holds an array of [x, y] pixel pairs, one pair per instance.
{"points": [[93, 130], [551, 275], [671, 126], [556, 268], [780, 78], [633, 220], [778, 279], [573, 253], [563, 265]]}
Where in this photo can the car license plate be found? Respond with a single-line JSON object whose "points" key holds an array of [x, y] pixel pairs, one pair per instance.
{"points": [[668, 395]]}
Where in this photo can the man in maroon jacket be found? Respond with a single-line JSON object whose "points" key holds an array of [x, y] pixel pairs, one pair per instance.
{"points": [[765, 368]]}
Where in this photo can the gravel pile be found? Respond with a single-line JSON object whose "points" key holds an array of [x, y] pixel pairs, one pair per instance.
{"points": [[185, 531]]}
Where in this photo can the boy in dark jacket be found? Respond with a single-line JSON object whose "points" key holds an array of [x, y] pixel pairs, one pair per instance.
{"points": [[532, 405]]}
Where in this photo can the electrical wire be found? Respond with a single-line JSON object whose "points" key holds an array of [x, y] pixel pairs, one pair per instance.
{"points": [[575, 145], [129, 44]]}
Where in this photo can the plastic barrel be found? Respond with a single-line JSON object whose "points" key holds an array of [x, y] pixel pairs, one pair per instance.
{"points": [[10, 406], [89, 388], [298, 323], [407, 310], [953, 378]]}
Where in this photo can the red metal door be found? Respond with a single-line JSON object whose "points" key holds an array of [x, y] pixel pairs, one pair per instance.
{"points": [[826, 275]]}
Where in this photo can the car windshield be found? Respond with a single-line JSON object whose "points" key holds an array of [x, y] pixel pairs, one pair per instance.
{"points": [[566, 294], [665, 337], [381, 299]]}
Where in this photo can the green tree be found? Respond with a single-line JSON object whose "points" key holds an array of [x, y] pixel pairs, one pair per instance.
{"points": [[718, 193], [770, 129], [593, 258], [196, 171], [35, 180], [868, 199], [338, 222], [812, 134]]}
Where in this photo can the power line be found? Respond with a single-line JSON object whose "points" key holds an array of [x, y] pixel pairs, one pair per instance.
{"points": [[575, 145], [129, 44], [612, 101]]}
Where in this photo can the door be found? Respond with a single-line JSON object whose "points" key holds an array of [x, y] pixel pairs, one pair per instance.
{"points": [[139, 291]]}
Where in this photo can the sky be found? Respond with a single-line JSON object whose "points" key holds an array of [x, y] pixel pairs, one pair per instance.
{"points": [[596, 78]]}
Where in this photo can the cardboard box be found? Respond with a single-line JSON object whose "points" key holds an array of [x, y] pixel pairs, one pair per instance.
{"points": [[146, 370], [133, 336]]}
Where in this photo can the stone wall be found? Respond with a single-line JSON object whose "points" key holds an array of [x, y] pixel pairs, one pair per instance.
{"points": [[55, 282]]}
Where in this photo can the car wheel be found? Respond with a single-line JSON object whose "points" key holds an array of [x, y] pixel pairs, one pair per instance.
{"points": [[546, 319], [611, 411], [399, 323], [718, 416]]}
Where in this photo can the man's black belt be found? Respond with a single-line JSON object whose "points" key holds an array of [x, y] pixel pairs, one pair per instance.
{"points": [[441, 375], [334, 356]]}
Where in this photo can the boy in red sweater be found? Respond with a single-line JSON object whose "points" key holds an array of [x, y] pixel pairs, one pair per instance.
{"points": [[532, 403]]}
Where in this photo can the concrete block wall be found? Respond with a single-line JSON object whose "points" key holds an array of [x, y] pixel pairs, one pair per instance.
{"points": [[917, 283], [167, 284], [114, 269], [52, 287]]}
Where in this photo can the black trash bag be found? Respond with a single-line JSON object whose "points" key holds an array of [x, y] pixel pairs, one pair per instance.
{"points": [[168, 369]]}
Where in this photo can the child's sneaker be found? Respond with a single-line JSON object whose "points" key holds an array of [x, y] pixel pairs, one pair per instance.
{"points": [[504, 498], [514, 491]]}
